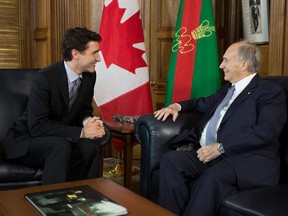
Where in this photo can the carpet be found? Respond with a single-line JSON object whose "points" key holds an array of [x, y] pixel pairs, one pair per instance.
{"points": [[113, 170]]}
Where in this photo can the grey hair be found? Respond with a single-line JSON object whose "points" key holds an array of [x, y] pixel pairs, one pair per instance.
{"points": [[248, 51]]}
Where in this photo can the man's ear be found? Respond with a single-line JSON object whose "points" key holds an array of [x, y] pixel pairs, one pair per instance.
{"points": [[245, 65], [75, 54]]}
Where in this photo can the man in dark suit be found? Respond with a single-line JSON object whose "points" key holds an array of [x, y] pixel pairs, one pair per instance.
{"points": [[62, 138], [255, 15], [243, 152]]}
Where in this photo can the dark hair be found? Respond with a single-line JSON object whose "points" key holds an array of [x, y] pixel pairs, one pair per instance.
{"points": [[77, 38]]}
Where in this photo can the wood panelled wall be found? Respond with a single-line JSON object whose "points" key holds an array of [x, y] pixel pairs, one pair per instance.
{"points": [[9, 34], [228, 20], [31, 30], [31, 33], [52, 18], [160, 21], [278, 44]]}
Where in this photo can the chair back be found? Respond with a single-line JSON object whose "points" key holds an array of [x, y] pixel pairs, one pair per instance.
{"points": [[283, 139], [14, 90]]}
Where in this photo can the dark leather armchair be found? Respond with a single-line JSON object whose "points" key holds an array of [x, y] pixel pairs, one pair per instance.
{"points": [[155, 138], [14, 90]]}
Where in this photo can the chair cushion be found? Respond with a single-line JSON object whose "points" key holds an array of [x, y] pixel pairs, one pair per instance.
{"points": [[13, 172], [259, 201]]}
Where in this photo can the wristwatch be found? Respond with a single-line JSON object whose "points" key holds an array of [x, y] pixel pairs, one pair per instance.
{"points": [[220, 148]]}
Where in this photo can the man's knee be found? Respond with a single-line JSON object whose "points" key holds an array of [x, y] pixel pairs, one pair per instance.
{"points": [[169, 156], [59, 145], [166, 159], [178, 158], [214, 177], [173, 161], [88, 147]]}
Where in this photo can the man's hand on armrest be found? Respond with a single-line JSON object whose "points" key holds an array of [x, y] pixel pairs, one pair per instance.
{"points": [[172, 109]]}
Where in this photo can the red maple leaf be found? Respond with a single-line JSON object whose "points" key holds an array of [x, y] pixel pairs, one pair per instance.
{"points": [[118, 39]]}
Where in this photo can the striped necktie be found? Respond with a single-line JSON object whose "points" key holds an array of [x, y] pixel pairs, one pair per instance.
{"points": [[73, 91]]}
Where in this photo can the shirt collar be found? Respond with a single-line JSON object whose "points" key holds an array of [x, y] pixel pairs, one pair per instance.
{"points": [[240, 85], [72, 76]]}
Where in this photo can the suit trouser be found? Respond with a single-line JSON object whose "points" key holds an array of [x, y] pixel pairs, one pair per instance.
{"points": [[189, 187], [61, 160]]}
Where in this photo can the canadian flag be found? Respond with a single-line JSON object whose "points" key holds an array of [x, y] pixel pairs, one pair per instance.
{"points": [[122, 86]]}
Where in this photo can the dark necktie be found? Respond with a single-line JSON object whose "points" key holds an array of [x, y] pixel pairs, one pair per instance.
{"points": [[73, 91], [211, 129]]}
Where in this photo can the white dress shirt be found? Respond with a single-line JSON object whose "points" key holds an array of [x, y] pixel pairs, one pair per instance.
{"points": [[239, 86]]}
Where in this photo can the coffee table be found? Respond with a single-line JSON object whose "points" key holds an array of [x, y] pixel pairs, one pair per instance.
{"points": [[13, 202]]}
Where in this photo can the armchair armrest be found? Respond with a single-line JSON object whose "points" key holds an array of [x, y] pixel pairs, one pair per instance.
{"points": [[155, 137], [107, 138]]}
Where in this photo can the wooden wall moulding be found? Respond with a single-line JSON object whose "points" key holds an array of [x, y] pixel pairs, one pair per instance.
{"points": [[52, 18], [278, 38], [39, 26], [167, 14], [26, 34], [40, 34], [229, 29], [285, 69], [164, 46], [163, 19]]}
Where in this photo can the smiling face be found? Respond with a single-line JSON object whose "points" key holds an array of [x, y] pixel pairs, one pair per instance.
{"points": [[87, 59], [234, 69]]}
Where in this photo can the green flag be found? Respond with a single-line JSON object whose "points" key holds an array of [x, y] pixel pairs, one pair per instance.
{"points": [[194, 66]]}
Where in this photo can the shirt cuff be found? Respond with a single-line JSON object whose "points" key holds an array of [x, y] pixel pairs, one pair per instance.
{"points": [[179, 106], [86, 120]]}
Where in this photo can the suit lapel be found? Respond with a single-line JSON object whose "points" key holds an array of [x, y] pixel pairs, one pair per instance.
{"points": [[250, 88], [63, 84]]}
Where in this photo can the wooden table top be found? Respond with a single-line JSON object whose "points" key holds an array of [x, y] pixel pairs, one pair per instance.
{"points": [[122, 127], [13, 202]]}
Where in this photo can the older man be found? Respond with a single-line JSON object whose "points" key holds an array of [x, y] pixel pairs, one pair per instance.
{"points": [[235, 145]]}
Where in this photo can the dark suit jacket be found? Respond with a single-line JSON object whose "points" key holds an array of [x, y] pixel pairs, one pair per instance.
{"points": [[248, 131], [47, 112]]}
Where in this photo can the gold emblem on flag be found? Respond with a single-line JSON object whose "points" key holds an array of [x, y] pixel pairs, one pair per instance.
{"points": [[183, 40], [203, 30]]}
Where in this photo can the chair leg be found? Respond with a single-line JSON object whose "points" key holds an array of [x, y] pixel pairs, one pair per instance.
{"points": [[119, 168], [101, 160]]}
